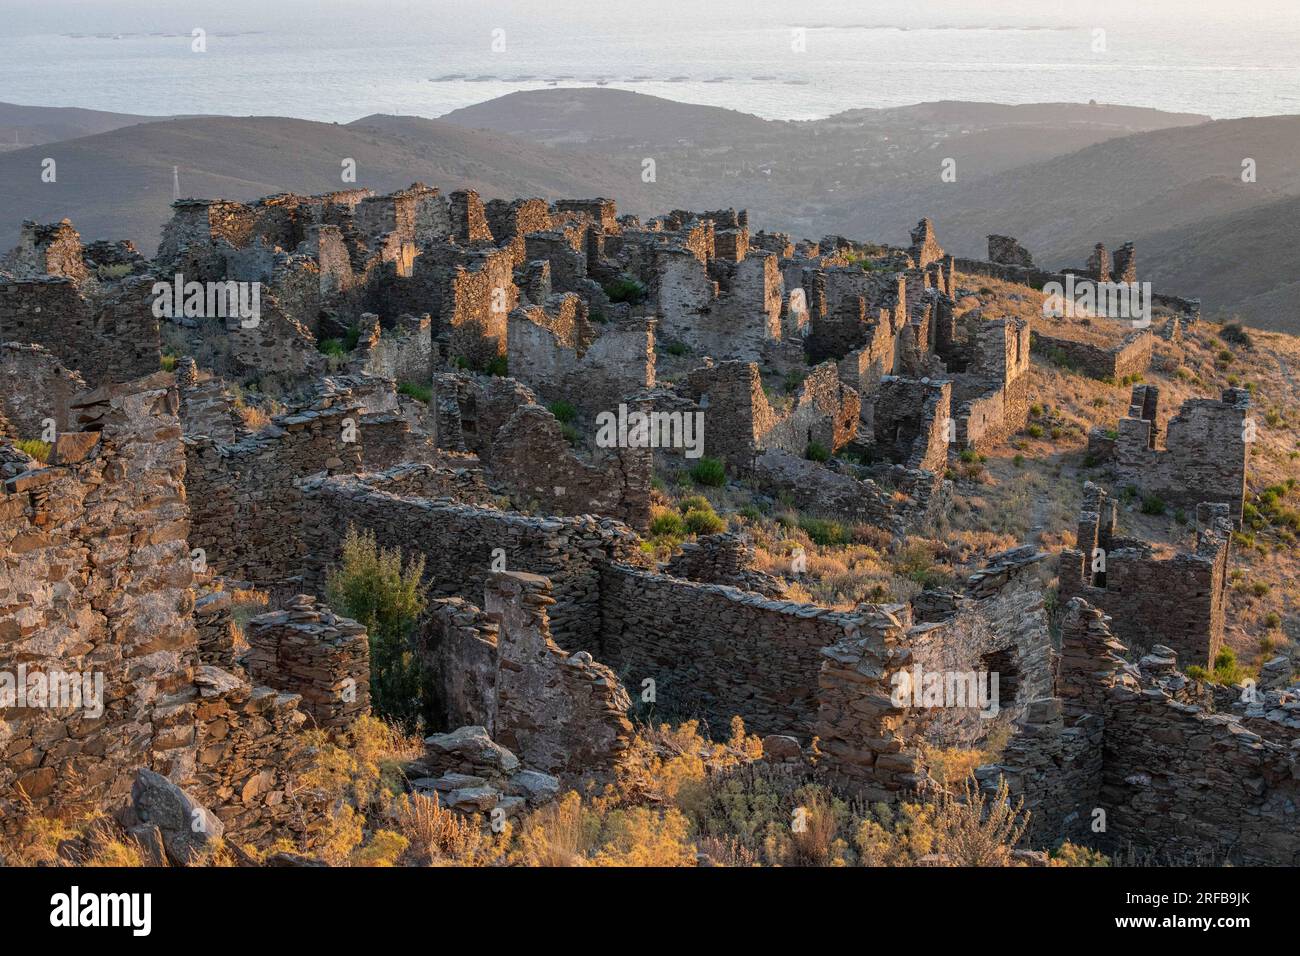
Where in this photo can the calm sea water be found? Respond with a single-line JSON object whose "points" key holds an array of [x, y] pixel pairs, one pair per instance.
{"points": [[342, 59]]}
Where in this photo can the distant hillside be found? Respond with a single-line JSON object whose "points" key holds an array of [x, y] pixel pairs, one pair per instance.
{"points": [[854, 172], [607, 116], [119, 184], [22, 126], [1169, 190], [1256, 263]]}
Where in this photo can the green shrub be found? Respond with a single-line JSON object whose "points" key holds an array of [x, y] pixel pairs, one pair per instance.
{"points": [[1272, 620], [824, 531], [168, 363], [709, 472], [563, 411], [699, 521], [625, 289], [694, 503], [1153, 505], [676, 348], [372, 586], [498, 366], [1237, 335], [816, 451], [421, 393], [570, 434], [1034, 431], [332, 347], [668, 524]]}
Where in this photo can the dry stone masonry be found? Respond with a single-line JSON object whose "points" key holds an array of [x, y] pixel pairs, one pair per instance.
{"points": [[432, 369]]}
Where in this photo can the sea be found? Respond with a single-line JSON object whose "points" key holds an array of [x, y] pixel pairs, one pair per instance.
{"points": [[338, 60]]}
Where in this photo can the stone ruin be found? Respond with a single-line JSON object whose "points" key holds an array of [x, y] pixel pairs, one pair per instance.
{"points": [[1176, 600], [1198, 455], [1130, 757], [437, 366]]}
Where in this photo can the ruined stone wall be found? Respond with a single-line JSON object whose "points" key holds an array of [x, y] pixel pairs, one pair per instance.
{"points": [[457, 645], [869, 724], [53, 250], [715, 651], [992, 396], [459, 541], [561, 712], [113, 342], [552, 356], [1172, 777], [247, 760], [722, 558], [510, 222], [481, 297], [740, 421], [1006, 251], [531, 456], [911, 498], [245, 506], [98, 581], [1177, 601], [1054, 761], [865, 367], [1132, 356], [910, 419], [34, 386], [306, 649], [403, 353], [1204, 458]]}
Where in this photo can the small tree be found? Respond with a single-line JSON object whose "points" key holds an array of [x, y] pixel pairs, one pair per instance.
{"points": [[372, 586]]}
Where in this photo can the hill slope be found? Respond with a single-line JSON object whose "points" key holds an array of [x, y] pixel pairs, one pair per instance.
{"points": [[119, 184], [22, 126]]}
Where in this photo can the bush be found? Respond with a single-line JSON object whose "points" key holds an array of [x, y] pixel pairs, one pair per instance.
{"points": [[676, 348], [625, 289], [35, 448], [709, 472], [1237, 335], [1153, 505], [563, 411], [693, 503], [816, 451], [667, 524], [1034, 431], [699, 521], [421, 393], [498, 366], [332, 347], [1226, 670], [167, 363], [825, 532], [373, 587]]}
